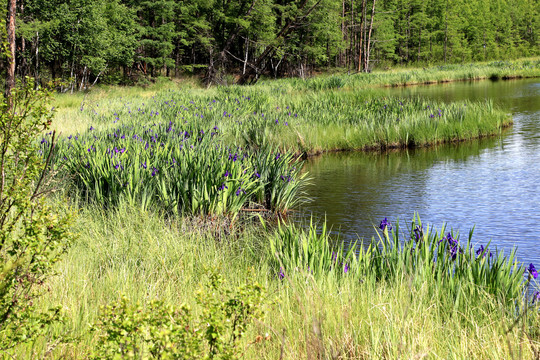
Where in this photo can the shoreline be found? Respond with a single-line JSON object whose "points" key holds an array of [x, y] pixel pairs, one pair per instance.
{"points": [[398, 147]]}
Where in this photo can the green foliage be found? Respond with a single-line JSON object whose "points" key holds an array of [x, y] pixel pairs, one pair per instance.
{"points": [[163, 331], [80, 39], [444, 262], [425, 256], [181, 162], [33, 236], [295, 250]]}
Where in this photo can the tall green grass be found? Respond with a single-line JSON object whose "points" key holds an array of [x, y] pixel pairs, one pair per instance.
{"points": [[423, 255], [178, 168], [373, 311], [305, 122], [495, 70], [229, 148]]}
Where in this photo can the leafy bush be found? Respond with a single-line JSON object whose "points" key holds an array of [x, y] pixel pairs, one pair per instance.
{"points": [[32, 234], [163, 331]]}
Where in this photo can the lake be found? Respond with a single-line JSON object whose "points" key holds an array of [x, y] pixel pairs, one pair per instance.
{"points": [[492, 184]]}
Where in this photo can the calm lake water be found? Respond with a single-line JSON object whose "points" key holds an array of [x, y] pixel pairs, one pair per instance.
{"points": [[492, 184]]}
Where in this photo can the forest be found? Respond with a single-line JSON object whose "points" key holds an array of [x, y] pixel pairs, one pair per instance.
{"points": [[84, 42], [205, 179]]}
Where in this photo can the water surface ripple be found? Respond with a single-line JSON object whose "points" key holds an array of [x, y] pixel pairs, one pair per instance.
{"points": [[493, 184]]}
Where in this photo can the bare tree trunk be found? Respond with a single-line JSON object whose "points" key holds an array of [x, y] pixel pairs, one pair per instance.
{"points": [[445, 30], [350, 63], [343, 34], [408, 34], [73, 80], [246, 56], [361, 45], [177, 60], [23, 67], [37, 59], [419, 44], [364, 32], [83, 80], [368, 40], [10, 27]]}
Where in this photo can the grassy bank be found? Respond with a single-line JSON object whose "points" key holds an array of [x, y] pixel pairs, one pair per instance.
{"points": [[162, 181], [221, 150], [300, 122], [387, 308], [495, 70]]}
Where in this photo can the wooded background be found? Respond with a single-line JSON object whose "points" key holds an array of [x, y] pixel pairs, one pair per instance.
{"points": [[123, 41]]}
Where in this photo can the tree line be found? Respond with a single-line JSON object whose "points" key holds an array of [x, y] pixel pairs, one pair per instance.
{"points": [[121, 41]]}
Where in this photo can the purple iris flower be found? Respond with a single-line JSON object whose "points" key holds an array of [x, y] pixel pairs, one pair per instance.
{"points": [[154, 171], [385, 224], [418, 233], [223, 186], [480, 250], [451, 241], [346, 268], [453, 245], [227, 173], [536, 297], [454, 251], [483, 251], [281, 274], [532, 271]]}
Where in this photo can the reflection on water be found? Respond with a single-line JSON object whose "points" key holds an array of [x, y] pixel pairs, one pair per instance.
{"points": [[491, 183]]}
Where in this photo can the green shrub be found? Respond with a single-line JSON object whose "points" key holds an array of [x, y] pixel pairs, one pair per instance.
{"points": [[33, 235], [163, 331]]}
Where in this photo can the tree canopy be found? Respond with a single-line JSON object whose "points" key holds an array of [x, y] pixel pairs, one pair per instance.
{"points": [[123, 40]]}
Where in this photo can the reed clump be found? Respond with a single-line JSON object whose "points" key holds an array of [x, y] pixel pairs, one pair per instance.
{"points": [[301, 122], [495, 70], [404, 293]]}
